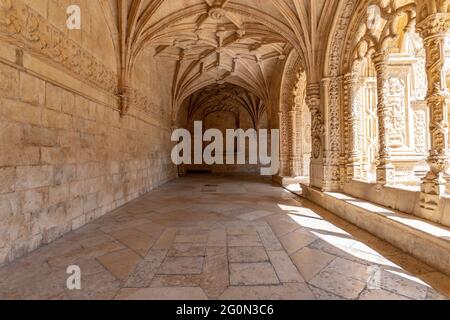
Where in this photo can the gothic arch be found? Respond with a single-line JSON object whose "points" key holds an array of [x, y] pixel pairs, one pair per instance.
{"points": [[333, 145], [291, 118]]}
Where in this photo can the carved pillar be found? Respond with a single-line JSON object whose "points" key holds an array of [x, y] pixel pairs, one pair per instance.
{"points": [[317, 136], [353, 115], [294, 169], [433, 29], [345, 134], [385, 169], [330, 104], [299, 146], [284, 144], [290, 148]]}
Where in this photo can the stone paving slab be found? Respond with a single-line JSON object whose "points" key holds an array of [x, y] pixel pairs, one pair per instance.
{"points": [[181, 243]]}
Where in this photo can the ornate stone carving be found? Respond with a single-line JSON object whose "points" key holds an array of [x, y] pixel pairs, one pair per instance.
{"points": [[420, 79], [293, 89], [284, 144], [22, 26], [420, 131], [339, 131], [433, 30], [395, 99], [353, 131], [317, 124], [385, 170]]}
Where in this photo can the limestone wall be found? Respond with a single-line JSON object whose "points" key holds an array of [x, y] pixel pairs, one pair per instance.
{"points": [[66, 155]]}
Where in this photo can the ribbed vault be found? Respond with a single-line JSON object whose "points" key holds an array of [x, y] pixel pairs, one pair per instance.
{"points": [[225, 97], [241, 42]]}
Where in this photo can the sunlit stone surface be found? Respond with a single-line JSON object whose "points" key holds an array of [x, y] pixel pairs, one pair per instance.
{"points": [[179, 242], [353, 94]]}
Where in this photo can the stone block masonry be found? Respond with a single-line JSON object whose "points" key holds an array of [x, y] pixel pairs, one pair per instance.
{"points": [[66, 159]]}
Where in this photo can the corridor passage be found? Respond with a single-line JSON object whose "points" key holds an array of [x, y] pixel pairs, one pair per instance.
{"points": [[218, 237]]}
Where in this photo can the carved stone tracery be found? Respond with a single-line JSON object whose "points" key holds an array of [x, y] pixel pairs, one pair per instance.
{"points": [[395, 89]]}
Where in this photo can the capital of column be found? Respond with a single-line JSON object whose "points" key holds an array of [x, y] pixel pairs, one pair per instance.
{"points": [[351, 78], [313, 96], [313, 102], [434, 26], [380, 56]]}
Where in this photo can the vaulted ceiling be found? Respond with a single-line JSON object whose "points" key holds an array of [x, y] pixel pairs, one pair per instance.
{"points": [[243, 42], [225, 97]]}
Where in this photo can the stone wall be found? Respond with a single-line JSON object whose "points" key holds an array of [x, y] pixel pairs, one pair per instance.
{"points": [[66, 155]]}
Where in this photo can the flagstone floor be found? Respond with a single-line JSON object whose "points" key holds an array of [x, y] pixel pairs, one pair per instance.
{"points": [[217, 237]]}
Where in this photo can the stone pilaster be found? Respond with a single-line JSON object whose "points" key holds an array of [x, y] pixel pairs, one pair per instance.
{"points": [[330, 103], [294, 159], [317, 135], [433, 30], [284, 144], [290, 160], [353, 115], [385, 169]]}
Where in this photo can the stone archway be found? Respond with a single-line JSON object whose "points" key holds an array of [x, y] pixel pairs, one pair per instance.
{"points": [[223, 107], [294, 121]]}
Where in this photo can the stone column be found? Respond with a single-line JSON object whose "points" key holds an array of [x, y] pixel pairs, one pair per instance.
{"points": [[353, 114], [433, 30], [317, 136], [331, 140], [300, 147], [345, 143], [290, 160], [385, 169], [293, 161], [284, 144]]}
